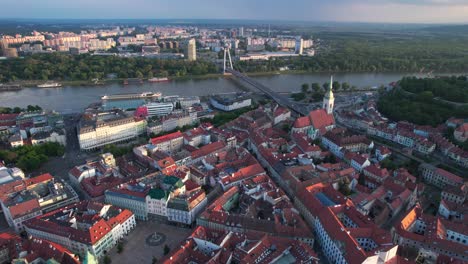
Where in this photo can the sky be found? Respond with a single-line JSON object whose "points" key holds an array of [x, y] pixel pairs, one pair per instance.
{"points": [[388, 11]]}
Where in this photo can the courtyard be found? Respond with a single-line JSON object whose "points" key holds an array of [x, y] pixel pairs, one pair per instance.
{"points": [[147, 240]]}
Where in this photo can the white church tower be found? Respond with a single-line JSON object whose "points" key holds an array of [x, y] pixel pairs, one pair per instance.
{"points": [[329, 99]]}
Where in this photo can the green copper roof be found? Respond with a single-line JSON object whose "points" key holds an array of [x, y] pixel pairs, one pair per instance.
{"points": [[174, 181], [158, 194]]}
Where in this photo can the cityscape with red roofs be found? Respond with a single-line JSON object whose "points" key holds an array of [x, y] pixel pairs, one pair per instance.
{"points": [[257, 132]]}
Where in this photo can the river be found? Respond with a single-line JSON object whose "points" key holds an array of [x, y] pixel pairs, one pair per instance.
{"points": [[76, 98]]}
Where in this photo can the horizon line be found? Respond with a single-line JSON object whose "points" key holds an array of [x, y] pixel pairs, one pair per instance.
{"points": [[244, 19]]}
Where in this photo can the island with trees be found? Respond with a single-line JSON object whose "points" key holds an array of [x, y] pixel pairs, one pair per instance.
{"points": [[60, 66], [426, 101]]}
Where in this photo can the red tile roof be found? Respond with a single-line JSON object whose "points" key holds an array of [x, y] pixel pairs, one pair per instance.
{"points": [[49, 250], [280, 110], [208, 149], [95, 189], [24, 208], [120, 218], [38, 179], [359, 159], [384, 150], [320, 119], [8, 119], [11, 242], [377, 171], [53, 223], [450, 176], [244, 173], [165, 138], [302, 122], [191, 185]]}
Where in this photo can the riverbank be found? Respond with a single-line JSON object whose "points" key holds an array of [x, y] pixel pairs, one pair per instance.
{"points": [[89, 83], [34, 83], [72, 83]]}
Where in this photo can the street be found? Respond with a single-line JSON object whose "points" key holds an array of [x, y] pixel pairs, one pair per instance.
{"points": [[60, 166]]}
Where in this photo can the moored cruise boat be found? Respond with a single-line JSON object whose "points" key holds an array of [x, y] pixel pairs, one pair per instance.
{"points": [[146, 95], [155, 80], [49, 85]]}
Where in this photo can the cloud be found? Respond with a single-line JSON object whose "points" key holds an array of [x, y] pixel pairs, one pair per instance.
{"points": [[428, 2], [427, 11]]}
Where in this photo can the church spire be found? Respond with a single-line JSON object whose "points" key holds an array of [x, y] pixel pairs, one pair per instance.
{"points": [[329, 99], [329, 93]]}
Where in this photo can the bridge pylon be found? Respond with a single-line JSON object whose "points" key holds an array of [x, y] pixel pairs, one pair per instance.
{"points": [[227, 55]]}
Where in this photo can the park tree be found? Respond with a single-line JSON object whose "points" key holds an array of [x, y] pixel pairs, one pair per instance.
{"points": [[325, 85], [166, 250], [344, 187], [305, 88], [107, 259], [336, 85], [316, 87], [345, 86], [120, 248]]}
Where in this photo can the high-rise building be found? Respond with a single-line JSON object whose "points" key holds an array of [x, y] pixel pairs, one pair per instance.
{"points": [[6, 51], [299, 46], [241, 31], [191, 50], [329, 99], [3, 46]]}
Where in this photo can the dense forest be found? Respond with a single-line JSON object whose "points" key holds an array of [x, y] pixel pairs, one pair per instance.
{"points": [[60, 66], [358, 53], [419, 108], [451, 88]]}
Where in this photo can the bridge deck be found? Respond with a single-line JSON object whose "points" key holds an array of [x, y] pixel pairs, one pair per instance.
{"points": [[278, 98]]}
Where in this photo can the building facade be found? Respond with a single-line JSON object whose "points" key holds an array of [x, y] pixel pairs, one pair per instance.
{"points": [[101, 133], [191, 50]]}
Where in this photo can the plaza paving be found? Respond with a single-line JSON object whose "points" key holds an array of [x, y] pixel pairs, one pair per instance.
{"points": [[140, 246]]}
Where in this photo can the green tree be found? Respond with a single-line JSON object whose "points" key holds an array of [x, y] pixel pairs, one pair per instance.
{"points": [[107, 259], [345, 86], [361, 179], [166, 250], [138, 74], [344, 187], [305, 88], [336, 85], [316, 87], [325, 85], [120, 248], [298, 96]]}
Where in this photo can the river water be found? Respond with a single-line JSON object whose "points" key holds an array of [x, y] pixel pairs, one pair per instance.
{"points": [[75, 99]]}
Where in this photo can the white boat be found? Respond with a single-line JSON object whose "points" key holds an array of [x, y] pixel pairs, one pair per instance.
{"points": [[146, 95], [49, 85], [153, 80]]}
